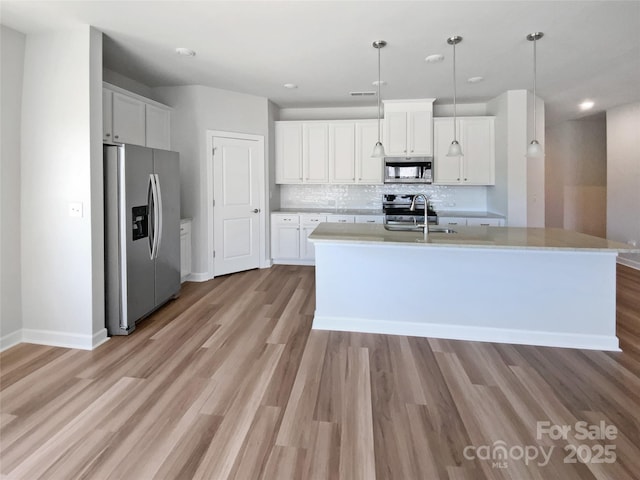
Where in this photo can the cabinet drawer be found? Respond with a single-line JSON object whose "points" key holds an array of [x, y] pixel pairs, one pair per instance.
{"points": [[486, 222], [307, 220], [340, 219], [452, 221], [369, 219], [285, 219]]}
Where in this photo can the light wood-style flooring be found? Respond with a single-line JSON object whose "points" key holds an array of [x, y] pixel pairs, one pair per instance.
{"points": [[229, 382]]}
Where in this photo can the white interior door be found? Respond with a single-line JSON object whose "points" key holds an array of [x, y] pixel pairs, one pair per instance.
{"points": [[237, 176]]}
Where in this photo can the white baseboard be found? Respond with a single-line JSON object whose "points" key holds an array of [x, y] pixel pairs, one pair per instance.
{"points": [[475, 334], [198, 277], [628, 262], [9, 340], [63, 339], [310, 263]]}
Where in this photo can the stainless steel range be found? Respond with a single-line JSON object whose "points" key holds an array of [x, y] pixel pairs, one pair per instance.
{"points": [[397, 210]]}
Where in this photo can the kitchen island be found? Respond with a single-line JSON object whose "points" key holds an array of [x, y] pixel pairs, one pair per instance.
{"points": [[534, 286]]}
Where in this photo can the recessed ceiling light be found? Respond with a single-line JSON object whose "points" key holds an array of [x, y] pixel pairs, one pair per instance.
{"points": [[435, 58], [586, 105], [187, 52], [290, 86], [475, 79], [375, 83]]}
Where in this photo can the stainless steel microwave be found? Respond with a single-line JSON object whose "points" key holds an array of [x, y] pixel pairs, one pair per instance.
{"points": [[408, 170]]}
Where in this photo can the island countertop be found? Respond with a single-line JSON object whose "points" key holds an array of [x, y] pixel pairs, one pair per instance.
{"points": [[470, 237]]}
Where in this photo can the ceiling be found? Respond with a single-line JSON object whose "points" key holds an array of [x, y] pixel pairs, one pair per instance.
{"points": [[590, 49]]}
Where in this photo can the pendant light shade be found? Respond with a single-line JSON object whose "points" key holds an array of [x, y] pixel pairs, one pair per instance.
{"points": [[455, 150], [534, 150], [378, 149]]}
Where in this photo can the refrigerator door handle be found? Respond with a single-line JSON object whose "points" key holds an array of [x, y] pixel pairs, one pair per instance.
{"points": [[158, 233], [150, 210], [155, 216]]}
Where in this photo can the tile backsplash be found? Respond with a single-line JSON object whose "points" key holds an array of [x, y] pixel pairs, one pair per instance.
{"points": [[370, 196]]}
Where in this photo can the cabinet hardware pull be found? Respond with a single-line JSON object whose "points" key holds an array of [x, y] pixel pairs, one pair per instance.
{"points": [[117, 136], [108, 135]]}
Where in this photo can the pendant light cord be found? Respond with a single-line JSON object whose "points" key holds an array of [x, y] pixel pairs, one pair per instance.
{"points": [[535, 136], [454, 93], [379, 132]]}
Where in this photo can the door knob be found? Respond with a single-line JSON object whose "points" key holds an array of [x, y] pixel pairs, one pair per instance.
{"points": [[256, 210]]}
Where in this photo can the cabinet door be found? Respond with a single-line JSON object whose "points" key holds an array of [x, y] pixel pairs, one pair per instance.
{"points": [[368, 169], [478, 145], [157, 125], [395, 133], [446, 169], [420, 133], [288, 152], [342, 153], [285, 241], [107, 115], [185, 250], [128, 120], [315, 155]]}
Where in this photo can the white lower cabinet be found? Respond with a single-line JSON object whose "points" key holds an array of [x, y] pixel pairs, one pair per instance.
{"points": [[290, 234], [285, 236], [185, 249], [308, 223]]}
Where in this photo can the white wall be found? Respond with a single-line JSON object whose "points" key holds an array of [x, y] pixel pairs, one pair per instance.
{"points": [[576, 175], [12, 66], [623, 177], [62, 257], [198, 109]]}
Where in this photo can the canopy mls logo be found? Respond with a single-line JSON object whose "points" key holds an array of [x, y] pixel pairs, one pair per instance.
{"points": [[499, 453]]}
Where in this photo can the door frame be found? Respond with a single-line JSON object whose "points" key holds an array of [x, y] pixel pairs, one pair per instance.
{"points": [[210, 195]]}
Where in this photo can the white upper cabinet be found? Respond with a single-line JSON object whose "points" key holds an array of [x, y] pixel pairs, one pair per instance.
{"points": [[337, 151], [315, 152], [157, 127], [342, 152], [408, 127], [477, 139], [288, 152], [130, 118], [368, 168]]}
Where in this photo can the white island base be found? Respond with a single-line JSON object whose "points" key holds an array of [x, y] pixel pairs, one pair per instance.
{"points": [[558, 297]]}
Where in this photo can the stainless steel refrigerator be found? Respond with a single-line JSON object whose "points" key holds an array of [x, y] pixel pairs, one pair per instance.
{"points": [[142, 233]]}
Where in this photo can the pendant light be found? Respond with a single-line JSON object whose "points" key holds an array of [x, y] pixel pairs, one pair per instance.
{"points": [[454, 149], [534, 150], [378, 150]]}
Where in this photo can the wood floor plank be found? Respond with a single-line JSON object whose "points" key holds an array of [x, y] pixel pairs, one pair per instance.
{"points": [[357, 458], [228, 381]]}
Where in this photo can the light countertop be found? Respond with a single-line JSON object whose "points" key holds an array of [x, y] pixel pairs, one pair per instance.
{"points": [[469, 237]]}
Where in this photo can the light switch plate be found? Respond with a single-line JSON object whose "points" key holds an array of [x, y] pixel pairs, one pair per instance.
{"points": [[75, 209]]}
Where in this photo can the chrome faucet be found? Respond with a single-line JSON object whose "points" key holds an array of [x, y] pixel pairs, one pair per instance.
{"points": [[426, 207]]}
